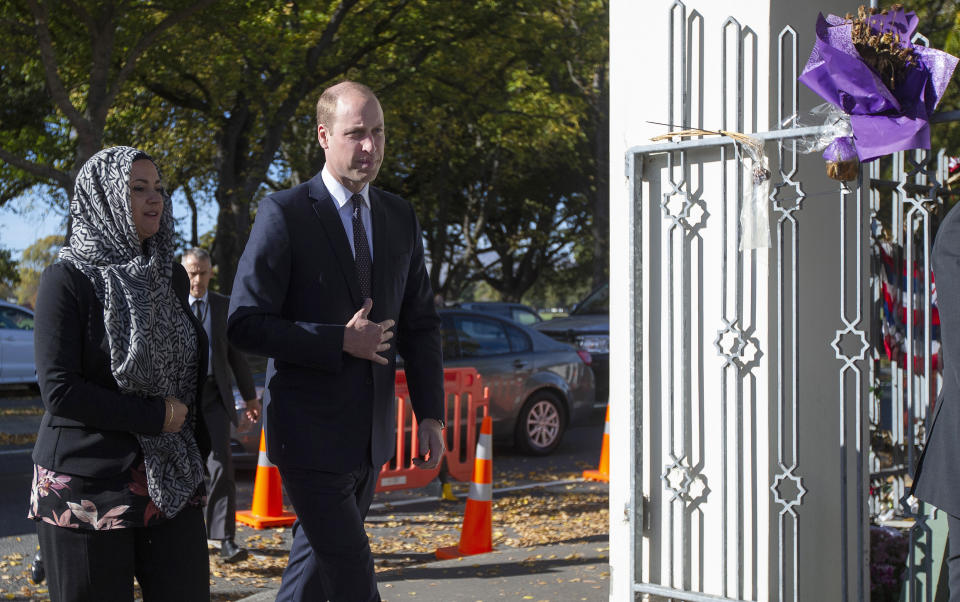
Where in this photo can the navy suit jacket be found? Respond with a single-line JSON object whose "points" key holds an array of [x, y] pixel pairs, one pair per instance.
{"points": [[225, 358], [295, 289], [937, 477]]}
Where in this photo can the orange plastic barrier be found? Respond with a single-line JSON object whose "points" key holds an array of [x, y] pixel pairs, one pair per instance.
{"points": [[466, 402], [603, 471], [476, 535], [267, 508]]}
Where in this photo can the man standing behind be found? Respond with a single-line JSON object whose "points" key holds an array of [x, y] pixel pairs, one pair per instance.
{"points": [[216, 401], [330, 267]]}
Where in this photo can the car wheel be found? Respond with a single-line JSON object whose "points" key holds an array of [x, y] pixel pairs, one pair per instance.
{"points": [[540, 424]]}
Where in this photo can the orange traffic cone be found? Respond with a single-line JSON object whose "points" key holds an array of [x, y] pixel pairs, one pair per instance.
{"points": [[476, 535], [603, 471], [267, 510]]}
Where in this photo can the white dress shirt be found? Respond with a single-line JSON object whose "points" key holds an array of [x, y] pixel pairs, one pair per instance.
{"points": [[341, 202]]}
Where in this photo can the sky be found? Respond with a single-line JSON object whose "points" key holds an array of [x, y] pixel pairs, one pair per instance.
{"points": [[23, 223], [25, 220]]}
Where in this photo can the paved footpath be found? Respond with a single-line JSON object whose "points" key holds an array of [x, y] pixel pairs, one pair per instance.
{"points": [[556, 573]]}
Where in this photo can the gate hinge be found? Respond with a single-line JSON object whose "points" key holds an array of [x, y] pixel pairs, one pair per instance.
{"points": [[643, 514]]}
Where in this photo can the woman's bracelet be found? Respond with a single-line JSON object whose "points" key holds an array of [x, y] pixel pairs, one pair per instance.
{"points": [[169, 420]]}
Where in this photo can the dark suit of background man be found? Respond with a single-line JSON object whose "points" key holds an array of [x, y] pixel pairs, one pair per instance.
{"points": [[307, 295], [216, 399], [937, 478]]}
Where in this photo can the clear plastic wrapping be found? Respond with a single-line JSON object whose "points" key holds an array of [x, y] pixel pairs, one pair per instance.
{"points": [[835, 140], [755, 212]]}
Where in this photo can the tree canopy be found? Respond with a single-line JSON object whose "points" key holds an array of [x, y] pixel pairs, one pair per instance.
{"points": [[9, 277], [940, 27], [496, 114]]}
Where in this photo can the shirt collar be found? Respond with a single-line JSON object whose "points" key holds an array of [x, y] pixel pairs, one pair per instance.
{"points": [[341, 195], [203, 298]]}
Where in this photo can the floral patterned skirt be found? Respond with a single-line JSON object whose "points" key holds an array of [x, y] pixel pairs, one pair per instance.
{"points": [[92, 503]]}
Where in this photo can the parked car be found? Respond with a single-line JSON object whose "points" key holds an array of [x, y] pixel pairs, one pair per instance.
{"points": [[518, 312], [587, 328], [16, 345], [537, 386]]}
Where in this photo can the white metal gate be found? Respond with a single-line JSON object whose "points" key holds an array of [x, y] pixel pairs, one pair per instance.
{"points": [[755, 387]]}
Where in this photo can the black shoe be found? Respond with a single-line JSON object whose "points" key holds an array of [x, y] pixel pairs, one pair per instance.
{"points": [[231, 552], [37, 574]]}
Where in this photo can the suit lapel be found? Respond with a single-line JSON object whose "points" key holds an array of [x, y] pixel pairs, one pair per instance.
{"points": [[381, 247], [217, 313], [330, 221]]}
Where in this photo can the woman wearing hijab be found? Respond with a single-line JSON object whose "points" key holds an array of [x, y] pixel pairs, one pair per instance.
{"points": [[118, 463]]}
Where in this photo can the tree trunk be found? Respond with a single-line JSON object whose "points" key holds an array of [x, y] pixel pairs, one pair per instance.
{"points": [[601, 200], [194, 234], [233, 227]]}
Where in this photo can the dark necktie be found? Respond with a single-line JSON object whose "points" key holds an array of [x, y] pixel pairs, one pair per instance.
{"points": [[198, 309], [361, 249]]}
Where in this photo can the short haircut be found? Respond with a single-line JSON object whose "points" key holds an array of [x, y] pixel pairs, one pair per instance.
{"points": [[198, 254], [327, 103]]}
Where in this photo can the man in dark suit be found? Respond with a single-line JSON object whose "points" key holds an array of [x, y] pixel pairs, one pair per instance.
{"points": [[937, 477], [216, 399], [331, 266]]}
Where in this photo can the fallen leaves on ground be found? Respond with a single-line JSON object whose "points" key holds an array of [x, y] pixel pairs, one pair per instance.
{"points": [[399, 537], [520, 519], [17, 438], [15, 581], [22, 411]]}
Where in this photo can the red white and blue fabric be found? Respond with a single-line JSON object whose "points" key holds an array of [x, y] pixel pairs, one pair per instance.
{"points": [[894, 277]]}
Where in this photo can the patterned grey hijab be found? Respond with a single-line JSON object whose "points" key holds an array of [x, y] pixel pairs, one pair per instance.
{"points": [[153, 346]]}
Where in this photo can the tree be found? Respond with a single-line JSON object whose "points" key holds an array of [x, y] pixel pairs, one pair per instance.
{"points": [[495, 152], [483, 123], [940, 25], [63, 71], [9, 278], [277, 59], [584, 74], [562, 195], [36, 258]]}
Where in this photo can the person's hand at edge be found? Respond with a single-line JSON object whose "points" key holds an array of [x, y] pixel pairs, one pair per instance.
{"points": [[253, 409], [175, 413], [365, 339], [430, 435]]}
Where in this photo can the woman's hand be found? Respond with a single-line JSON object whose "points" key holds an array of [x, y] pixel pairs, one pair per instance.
{"points": [[176, 413], [253, 409]]}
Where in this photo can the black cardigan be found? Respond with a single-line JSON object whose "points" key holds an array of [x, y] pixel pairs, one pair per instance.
{"points": [[88, 427]]}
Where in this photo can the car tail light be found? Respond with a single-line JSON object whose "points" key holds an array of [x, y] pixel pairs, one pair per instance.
{"points": [[594, 343], [585, 356]]}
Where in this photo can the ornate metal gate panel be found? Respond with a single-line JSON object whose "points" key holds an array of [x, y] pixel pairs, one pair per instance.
{"points": [[754, 383]]}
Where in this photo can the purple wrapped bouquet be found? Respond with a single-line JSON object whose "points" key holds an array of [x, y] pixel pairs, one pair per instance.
{"points": [[888, 87]]}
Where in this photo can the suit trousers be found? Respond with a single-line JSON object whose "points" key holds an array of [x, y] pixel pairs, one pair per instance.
{"points": [[330, 556], [953, 557], [169, 560], [221, 508]]}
